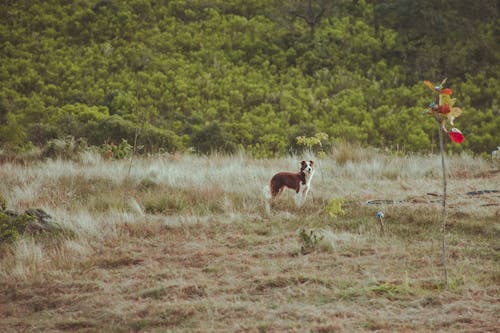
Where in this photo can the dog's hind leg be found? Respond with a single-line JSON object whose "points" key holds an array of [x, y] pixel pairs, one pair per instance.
{"points": [[274, 196], [270, 196]]}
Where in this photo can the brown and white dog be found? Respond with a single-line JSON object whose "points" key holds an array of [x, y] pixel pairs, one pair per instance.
{"points": [[299, 181]]}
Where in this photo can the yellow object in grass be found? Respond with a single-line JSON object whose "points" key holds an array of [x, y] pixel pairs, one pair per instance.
{"points": [[334, 207]]}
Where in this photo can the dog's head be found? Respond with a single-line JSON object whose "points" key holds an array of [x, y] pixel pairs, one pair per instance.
{"points": [[306, 166]]}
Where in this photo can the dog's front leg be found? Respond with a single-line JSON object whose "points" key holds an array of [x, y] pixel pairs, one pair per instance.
{"points": [[298, 199], [305, 191], [300, 196], [304, 194]]}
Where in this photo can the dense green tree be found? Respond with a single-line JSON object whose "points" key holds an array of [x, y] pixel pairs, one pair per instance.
{"points": [[212, 138]]}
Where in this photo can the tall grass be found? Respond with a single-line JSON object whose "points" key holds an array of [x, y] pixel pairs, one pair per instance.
{"points": [[193, 232], [89, 197]]}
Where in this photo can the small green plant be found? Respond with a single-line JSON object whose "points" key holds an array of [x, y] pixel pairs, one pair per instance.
{"points": [[334, 208], [314, 143], [392, 289], [110, 150], [310, 240]]}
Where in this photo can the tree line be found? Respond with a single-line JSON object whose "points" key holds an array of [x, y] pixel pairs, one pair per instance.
{"points": [[225, 75]]}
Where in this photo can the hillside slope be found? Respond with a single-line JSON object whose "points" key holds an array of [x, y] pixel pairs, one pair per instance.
{"points": [[249, 75]]}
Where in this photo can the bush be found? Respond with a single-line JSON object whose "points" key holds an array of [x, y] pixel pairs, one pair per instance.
{"points": [[67, 148], [12, 225], [110, 150], [154, 139], [310, 241], [314, 143], [41, 133], [110, 129]]}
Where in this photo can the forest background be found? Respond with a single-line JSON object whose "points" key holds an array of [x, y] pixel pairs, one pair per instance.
{"points": [[254, 75]]}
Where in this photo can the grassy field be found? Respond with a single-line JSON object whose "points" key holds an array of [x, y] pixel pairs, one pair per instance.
{"points": [[179, 243]]}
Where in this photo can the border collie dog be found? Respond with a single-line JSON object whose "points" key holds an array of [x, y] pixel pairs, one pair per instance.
{"points": [[299, 181]]}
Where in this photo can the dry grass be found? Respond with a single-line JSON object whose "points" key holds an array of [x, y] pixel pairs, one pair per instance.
{"points": [[183, 243]]}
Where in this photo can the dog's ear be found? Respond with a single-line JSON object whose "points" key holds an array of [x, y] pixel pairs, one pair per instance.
{"points": [[303, 163], [311, 162]]}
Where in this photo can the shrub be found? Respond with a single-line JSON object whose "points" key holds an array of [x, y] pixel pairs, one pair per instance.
{"points": [[334, 207], [41, 133], [109, 129], [13, 225], [67, 148], [314, 143], [154, 139], [110, 150], [310, 241]]}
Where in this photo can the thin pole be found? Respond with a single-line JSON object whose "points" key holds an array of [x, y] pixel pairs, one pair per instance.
{"points": [[443, 211]]}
